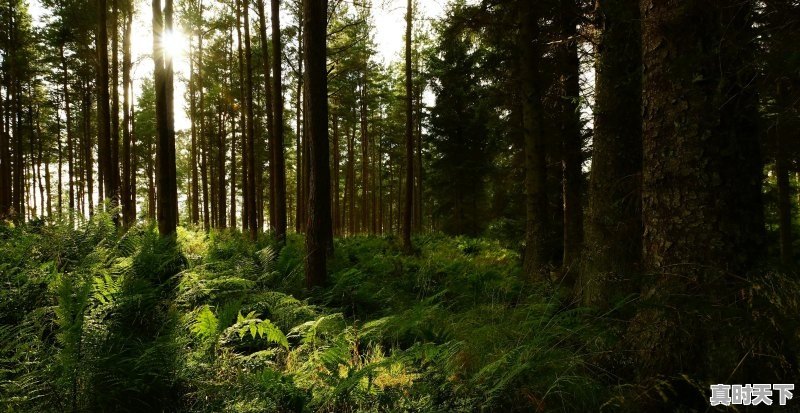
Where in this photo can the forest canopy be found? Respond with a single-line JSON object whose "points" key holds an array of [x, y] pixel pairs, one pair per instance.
{"points": [[387, 205]]}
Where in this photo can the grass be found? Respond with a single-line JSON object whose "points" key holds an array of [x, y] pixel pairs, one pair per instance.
{"points": [[95, 321]]}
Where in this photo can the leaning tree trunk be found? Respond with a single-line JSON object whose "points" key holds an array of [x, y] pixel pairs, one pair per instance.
{"points": [[701, 184]]}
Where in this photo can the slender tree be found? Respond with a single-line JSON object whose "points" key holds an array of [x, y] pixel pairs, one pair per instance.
{"points": [[409, 194], [278, 163]]}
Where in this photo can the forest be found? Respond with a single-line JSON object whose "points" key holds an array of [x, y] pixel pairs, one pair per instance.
{"points": [[399, 205]]}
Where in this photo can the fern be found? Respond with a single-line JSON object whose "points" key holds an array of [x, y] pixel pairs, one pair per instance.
{"points": [[258, 328]]}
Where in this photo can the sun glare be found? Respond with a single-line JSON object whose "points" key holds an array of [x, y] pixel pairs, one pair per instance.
{"points": [[174, 44]]}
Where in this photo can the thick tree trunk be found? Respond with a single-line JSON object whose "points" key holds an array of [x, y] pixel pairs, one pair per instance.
{"points": [[701, 184], [613, 224], [572, 141], [537, 248], [318, 229], [165, 153]]}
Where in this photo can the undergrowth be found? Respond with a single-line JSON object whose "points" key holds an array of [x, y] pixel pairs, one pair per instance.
{"points": [[95, 321]]}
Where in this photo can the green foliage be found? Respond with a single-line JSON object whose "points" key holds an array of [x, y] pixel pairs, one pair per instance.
{"points": [[95, 321]]}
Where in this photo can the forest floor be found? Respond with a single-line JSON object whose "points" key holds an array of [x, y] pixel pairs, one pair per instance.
{"points": [[95, 321]]}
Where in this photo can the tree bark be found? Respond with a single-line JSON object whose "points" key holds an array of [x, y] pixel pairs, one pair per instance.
{"points": [[104, 142], [613, 223], [252, 213], [409, 194], [782, 129], [114, 131], [701, 184], [318, 229], [537, 248], [278, 161], [572, 141], [165, 153], [126, 190]]}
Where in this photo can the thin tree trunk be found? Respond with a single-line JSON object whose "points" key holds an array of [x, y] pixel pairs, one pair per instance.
{"points": [[409, 195], [104, 155], [126, 190], [250, 130], [114, 131], [278, 162], [782, 129]]}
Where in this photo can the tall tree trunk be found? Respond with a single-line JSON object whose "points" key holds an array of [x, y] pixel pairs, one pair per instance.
{"points": [[701, 185], [70, 154], [221, 213], [537, 249], [165, 153], [243, 120], [409, 196], [300, 177], [613, 223], [265, 61], [349, 184], [5, 162], [204, 144], [88, 145], [232, 223], [104, 141], [114, 131], [782, 130], [278, 161], [250, 129], [60, 166], [126, 189], [337, 206], [365, 187], [572, 142], [318, 229]]}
